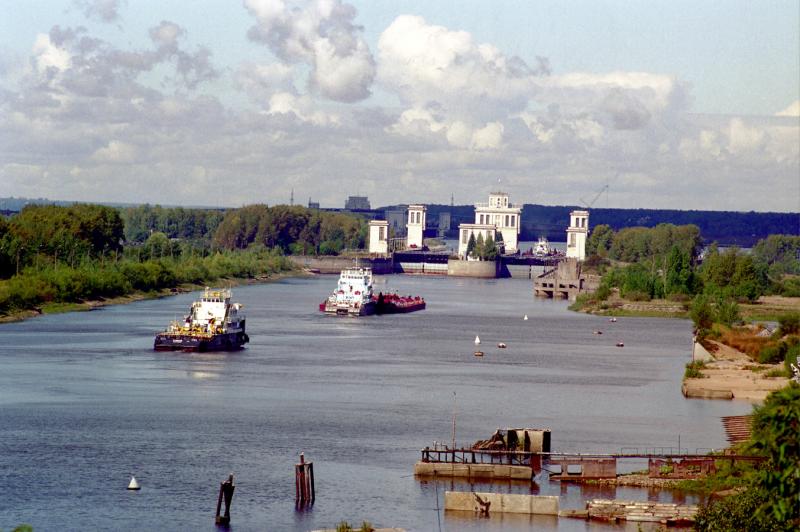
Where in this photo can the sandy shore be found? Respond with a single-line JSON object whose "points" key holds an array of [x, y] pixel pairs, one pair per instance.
{"points": [[729, 375]]}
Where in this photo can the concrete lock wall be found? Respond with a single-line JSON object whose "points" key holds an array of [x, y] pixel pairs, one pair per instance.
{"points": [[482, 471], [486, 269], [335, 265], [501, 502]]}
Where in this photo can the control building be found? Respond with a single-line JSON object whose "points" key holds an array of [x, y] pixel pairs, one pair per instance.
{"points": [[415, 227], [577, 232], [378, 236], [498, 216]]}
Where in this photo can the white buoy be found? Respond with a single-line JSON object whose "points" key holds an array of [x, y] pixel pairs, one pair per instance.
{"points": [[133, 485], [525, 317], [477, 340]]}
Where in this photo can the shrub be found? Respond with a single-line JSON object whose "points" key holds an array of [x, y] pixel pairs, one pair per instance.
{"points": [[602, 293], [693, 370], [789, 323], [636, 295]]}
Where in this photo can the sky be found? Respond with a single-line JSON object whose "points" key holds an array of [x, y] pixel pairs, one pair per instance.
{"points": [[667, 104]]}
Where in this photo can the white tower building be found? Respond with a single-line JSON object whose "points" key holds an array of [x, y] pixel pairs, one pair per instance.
{"points": [[577, 232], [378, 236], [415, 225]]}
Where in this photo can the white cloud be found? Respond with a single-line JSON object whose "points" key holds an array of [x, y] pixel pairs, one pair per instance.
{"points": [[283, 103], [115, 152], [792, 110], [46, 55], [166, 33], [322, 35], [102, 10]]}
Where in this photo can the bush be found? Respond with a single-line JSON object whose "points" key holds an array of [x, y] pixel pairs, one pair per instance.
{"points": [[736, 512], [693, 370], [789, 323], [635, 295], [602, 293]]}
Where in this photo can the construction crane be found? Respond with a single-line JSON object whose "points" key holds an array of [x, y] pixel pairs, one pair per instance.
{"points": [[589, 204]]}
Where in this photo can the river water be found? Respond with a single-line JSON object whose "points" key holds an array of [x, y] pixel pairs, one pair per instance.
{"points": [[85, 403]]}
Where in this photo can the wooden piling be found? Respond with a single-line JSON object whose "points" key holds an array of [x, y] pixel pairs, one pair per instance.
{"points": [[304, 482], [225, 493]]}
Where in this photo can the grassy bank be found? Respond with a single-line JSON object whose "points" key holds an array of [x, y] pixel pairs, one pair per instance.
{"points": [[61, 288]]}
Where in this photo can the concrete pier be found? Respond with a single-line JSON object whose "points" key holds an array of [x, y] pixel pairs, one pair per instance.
{"points": [[473, 471], [470, 501]]}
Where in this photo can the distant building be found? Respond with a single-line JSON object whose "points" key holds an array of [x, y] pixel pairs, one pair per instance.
{"points": [[313, 204], [415, 226], [496, 216], [397, 221], [577, 232], [357, 203], [378, 236]]}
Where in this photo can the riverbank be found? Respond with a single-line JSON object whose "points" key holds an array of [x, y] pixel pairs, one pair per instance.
{"points": [[620, 307], [92, 304], [727, 373]]}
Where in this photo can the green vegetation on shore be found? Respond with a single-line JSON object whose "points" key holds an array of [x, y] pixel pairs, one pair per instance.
{"points": [[764, 497], [54, 257], [642, 264]]}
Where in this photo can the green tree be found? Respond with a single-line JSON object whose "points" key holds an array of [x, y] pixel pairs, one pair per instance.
{"points": [[471, 243], [489, 249], [701, 312], [679, 272], [599, 241], [776, 435]]}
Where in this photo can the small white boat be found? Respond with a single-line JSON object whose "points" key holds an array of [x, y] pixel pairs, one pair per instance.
{"points": [[477, 340], [620, 344], [542, 248], [525, 318], [502, 345], [597, 332], [613, 320], [133, 485], [478, 353]]}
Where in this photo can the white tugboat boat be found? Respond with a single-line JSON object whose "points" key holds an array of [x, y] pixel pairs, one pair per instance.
{"points": [[542, 247], [213, 324], [353, 294]]}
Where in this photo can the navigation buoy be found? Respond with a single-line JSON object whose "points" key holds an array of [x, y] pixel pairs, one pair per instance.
{"points": [[477, 340], [133, 485], [525, 318]]}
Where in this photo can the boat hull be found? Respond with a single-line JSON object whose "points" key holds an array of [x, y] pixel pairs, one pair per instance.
{"points": [[395, 308], [197, 343], [367, 309]]}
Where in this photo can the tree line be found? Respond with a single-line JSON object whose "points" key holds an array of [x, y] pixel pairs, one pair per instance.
{"points": [[666, 262], [62, 254]]}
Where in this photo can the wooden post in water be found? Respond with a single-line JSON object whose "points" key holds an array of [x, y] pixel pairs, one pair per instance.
{"points": [[304, 482], [225, 492]]}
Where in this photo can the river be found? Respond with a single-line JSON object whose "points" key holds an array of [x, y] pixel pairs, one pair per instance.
{"points": [[85, 403]]}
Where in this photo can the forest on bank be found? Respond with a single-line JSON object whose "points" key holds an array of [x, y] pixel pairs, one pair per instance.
{"points": [[65, 254]]}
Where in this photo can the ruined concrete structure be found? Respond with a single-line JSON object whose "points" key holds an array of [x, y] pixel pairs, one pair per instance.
{"points": [[565, 281]]}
